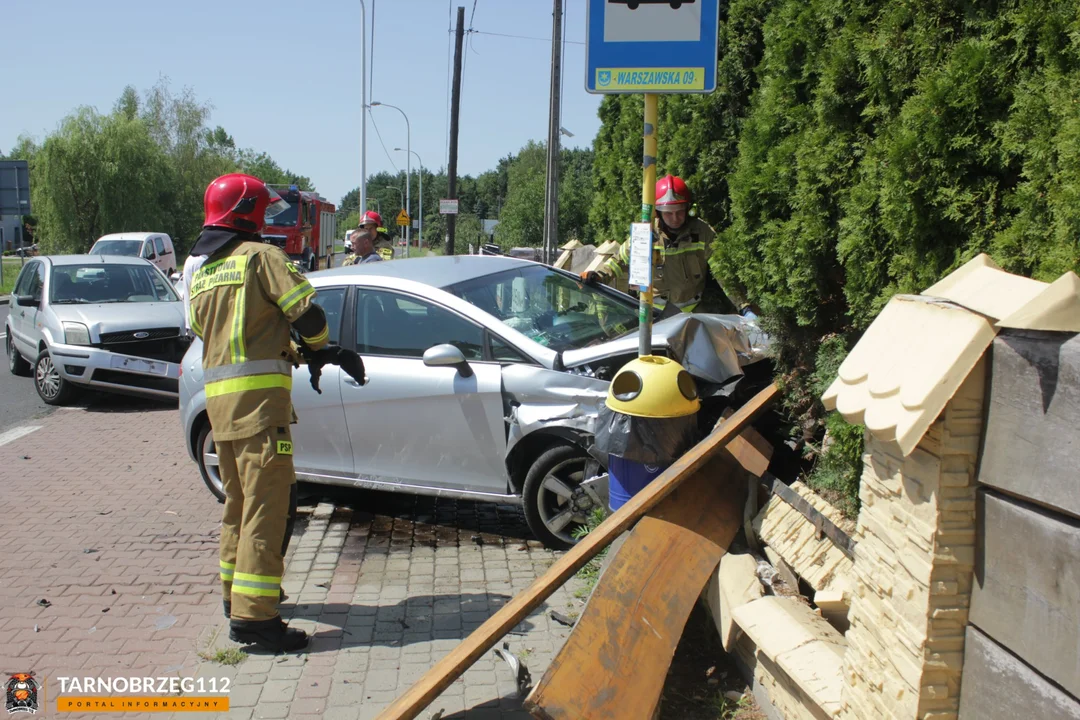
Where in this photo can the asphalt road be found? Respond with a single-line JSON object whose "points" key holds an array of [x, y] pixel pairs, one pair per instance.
{"points": [[19, 402]]}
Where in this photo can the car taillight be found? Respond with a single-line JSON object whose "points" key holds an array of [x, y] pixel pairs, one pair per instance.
{"points": [[181, 371]]}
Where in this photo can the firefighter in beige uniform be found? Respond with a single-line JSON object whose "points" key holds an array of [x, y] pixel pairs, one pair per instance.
{"points": [[244, 299], [683, 244]]}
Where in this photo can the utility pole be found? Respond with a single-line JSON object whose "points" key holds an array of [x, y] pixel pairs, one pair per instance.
{"points": [[551, 199], [455, 106]]}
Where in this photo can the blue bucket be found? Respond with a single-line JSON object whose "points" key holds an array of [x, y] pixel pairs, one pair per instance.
{"points": [[626, 478]]}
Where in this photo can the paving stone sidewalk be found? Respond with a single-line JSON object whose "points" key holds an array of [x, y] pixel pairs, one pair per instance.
{"points": [[105, 519], [386, 597]]}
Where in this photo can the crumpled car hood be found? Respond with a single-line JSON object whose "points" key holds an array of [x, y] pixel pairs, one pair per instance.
{"points": [[711, 347]]}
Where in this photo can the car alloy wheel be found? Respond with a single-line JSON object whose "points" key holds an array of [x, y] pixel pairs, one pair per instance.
{"points": [[17, 364], [562, 490], [51, 388], [209, 463]]}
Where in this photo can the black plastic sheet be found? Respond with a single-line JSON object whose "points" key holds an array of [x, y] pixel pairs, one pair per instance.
{"points": [[650, 441]]}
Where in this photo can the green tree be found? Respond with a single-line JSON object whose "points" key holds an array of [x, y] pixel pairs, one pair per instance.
{"points": [[97, 174], [521, 222]]}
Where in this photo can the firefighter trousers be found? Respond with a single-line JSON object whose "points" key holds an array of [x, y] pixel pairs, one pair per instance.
{"points": [[260, 498]]}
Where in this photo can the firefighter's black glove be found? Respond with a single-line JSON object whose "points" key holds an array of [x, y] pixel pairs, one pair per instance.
{"points": [[348, 360], [350, 363]]}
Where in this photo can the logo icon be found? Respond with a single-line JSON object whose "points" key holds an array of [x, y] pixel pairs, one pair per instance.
{"points": [[603, 77], [22, 694], [142, 334]]}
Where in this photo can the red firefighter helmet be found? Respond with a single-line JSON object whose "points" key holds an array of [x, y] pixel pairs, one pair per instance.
{"points": [[371, 217], [671, 193], [240, 202]]}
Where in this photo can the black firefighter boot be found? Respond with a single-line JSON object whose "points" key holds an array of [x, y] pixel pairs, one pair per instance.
{"points": [[273, 634]]}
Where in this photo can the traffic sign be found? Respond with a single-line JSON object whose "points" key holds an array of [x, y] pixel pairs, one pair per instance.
{"points": [[651, 46], [448, 207], [402, 218]]}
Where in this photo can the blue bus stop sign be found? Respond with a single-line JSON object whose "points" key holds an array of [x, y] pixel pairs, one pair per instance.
{"points": [[651, 46]]}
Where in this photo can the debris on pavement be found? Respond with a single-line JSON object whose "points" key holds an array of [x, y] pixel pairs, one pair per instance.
{"points": [[43, 602], [521, 673], [561, 619]]}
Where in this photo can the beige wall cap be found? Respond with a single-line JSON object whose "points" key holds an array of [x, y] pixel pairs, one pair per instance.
{"points": [[907, 366], [1056, 308], [982, 286]]}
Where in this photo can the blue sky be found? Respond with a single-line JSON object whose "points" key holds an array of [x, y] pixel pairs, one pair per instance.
{"points": [[284, 77]]}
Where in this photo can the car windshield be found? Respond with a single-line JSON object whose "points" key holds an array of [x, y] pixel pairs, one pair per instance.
{"points": [[285, 218], [553, 309], [97, 283], [131, 248]]}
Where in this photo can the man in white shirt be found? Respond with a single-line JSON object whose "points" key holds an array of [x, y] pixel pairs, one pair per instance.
{"points": [[191, 266]]}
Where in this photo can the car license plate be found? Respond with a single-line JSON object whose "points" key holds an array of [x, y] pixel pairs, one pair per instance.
{"points": [[140, 365]]}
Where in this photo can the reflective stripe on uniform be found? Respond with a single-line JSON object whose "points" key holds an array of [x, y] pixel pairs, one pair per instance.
{"points": [[322, 337], [692, 247], [253, 382], [260, 585], [688, 306], [237, 351], [227, 571], [244, 369], [295, 295]]}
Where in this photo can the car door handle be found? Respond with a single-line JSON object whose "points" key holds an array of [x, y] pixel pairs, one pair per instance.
{"points": [[350, 381]]}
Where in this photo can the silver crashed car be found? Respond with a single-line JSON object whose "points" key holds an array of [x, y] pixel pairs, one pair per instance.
{"points": [[106, 322], [486, 377]]}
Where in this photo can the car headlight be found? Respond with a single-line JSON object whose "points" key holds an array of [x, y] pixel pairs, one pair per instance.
{"points": [[76, 334]]}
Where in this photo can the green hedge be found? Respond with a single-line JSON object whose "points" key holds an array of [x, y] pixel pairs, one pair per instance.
{"points": [[855, 150]]}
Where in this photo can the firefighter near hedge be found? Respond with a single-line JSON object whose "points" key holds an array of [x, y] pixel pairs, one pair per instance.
{"points": [[683, 243], [246, 299]]}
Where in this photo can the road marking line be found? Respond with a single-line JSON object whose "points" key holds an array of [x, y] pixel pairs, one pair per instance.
{"points": [[16, 433], [3, 335]]}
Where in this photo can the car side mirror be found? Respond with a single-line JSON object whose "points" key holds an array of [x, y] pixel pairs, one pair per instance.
{"points": [[152, 256], [174, 278], [446, 355], [31, 301]]}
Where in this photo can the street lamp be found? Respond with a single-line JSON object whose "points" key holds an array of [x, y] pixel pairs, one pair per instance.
{"points": [[420, 241], [408, 167], [363, 106]]}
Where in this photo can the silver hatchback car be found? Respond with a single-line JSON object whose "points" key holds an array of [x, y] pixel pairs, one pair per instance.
{"points": [[106, 322], [486, 377]]}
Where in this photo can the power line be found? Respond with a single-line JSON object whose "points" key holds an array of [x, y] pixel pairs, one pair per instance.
{"points": [[525, 37], [379, 134]]}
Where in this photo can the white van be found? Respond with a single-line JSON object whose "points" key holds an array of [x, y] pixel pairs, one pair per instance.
{"points": [[153, 246]]}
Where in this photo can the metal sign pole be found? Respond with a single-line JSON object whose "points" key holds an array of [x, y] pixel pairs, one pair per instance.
{"points": [[648, 199]]}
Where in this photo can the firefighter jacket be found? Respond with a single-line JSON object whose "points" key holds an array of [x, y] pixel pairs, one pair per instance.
{"points": [[384, 246], [243, 300], [682, 270]]}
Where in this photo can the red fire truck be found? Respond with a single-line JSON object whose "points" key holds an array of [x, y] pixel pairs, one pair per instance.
{"points": [[306, 230]]}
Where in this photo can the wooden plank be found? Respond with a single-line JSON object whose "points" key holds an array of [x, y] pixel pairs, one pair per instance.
{"points": [[1032, 438], [614, 664], [997, 686], [444, 672], [1026, 593]]}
